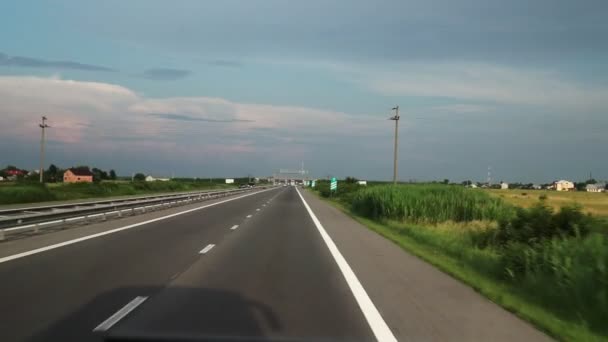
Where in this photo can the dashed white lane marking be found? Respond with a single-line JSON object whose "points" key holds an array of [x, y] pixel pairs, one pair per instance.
{"points": [[263, 205], [120, 314], [248, 216], [373, 317], [206, 249], [88, 237], [234, 227], [258, 209]]}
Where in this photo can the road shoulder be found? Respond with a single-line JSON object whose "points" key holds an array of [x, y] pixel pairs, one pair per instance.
{"points": [[417, 301]]}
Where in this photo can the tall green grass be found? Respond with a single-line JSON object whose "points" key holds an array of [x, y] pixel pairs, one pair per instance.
{"points": [[31, 192], [430, 203], [25, 194]]}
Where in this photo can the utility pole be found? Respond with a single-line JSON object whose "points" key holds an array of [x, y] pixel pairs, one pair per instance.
{"points": [[396, 119], [44, 126]]}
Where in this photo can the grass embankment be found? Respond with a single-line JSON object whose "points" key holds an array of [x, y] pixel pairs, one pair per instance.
{"points": [[30, 193], [547, 267]]}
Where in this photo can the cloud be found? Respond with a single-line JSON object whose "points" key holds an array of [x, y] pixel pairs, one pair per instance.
{"points": [[182, 117], [475, 82], [165, 74], [106, 118], [29, 62], [225, 63]]}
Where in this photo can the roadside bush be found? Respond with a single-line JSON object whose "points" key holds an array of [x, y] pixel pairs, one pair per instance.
{"points": [[568, 275], [531, 226]]}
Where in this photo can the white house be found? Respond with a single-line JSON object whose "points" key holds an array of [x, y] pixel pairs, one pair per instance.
{"points": [[599, 187], [362, 182], [504, 186], [563, 185], [153, 179], [1, 178]]}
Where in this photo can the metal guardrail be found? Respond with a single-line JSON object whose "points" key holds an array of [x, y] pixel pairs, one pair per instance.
{"points": [[102, 210], [12, 211]]}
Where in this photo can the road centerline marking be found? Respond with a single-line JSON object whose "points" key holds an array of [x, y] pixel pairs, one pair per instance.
{"points": [[111, 231], [234, 227], [258, 209], [371, 313], [120, 314], [248, 216], [206, 249]]}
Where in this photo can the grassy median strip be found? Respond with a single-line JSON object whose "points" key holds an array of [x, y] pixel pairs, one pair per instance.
{"points": [[29, 193], [557, 283]]}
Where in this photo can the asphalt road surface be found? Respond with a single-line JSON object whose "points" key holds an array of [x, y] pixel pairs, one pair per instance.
{"points": [[273, 265]]}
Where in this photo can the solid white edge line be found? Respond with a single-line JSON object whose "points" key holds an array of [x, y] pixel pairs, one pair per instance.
{"points": [[371, 313], [206, 249], [88, 237], [120, 314], [74, 218], [20, 227], [234, 227]]}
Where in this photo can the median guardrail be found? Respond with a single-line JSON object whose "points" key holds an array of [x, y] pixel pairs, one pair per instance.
{"points": [[101, 210]]}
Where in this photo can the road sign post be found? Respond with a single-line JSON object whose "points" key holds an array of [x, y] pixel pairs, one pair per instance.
{"points": [[333, 186]]}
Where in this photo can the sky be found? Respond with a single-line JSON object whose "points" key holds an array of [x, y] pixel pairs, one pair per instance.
{"points": [[229, 88]]}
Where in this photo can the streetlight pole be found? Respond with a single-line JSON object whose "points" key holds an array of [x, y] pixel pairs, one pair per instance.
{"points": [[44, 126], [396, 119]]}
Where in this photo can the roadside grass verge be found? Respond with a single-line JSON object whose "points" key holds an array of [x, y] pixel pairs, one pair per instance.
{"points": [[31, 192], [557, 302]]}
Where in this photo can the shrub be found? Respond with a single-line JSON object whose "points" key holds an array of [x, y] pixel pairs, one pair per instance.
{"points": [[531, 226]]}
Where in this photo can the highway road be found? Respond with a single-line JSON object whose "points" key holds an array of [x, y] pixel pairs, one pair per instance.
{"points": [[277, 264]]}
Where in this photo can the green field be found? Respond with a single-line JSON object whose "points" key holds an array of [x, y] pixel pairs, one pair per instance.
{"points": [[547, 266], [32, 192]]}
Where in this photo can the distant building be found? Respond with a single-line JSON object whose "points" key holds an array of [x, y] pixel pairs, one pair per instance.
{"points": [[473, 186], [229, 181], [504, 186], [1, 178], [563, 185], [536, 187], [15, 172], [599, 187], [78, 175], [153, 179], [361, 182]]}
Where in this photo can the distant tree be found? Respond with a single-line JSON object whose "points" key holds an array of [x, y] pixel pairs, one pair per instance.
{"points": [[350, 180], [139, 177], [97, 174], [446, 181], [51, 175], [467, 183], [112, 174], [580, 186], [590, 181]]}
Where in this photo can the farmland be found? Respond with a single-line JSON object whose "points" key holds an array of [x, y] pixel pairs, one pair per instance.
{"points": [[593, 203], [543, 260]]}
